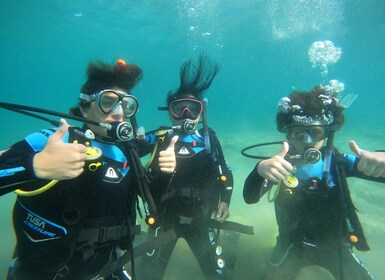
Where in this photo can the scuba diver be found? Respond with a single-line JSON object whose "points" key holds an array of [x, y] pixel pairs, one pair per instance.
{"points": [[317, 220], [198, 195], [75, 213]]}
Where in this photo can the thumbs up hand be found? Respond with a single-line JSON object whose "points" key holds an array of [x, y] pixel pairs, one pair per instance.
{"points": [[167, 160], [275, 169], [370, 163], [59, 160]]}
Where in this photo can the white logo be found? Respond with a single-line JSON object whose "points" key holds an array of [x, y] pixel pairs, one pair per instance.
{"points": [[183, 151], [111, 173]]}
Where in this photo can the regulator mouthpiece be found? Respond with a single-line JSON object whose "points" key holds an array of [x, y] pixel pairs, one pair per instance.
{"points": [[310, 156], [122, 131], [188, 126]]}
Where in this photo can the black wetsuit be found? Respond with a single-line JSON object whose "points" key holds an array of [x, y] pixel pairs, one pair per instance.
{"points": [[185, 203], [315, 220], [73, 229]]}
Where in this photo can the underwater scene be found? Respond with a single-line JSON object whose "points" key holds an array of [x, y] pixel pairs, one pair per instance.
{"points": [[265, 48]]}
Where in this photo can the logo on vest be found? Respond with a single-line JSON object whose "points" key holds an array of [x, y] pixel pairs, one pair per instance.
{"points": [[111, 173], [183, 151], [38, 229]]}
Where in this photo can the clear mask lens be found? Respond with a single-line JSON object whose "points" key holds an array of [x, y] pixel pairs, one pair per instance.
{"points": [[109, 100], [308, 134]]}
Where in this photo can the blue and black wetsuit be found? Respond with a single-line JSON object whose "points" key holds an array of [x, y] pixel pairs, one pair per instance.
{"points": [[315, 220], [186, 202], [73, 229]]}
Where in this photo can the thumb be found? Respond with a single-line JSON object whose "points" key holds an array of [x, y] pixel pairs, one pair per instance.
{"points": [[61, 131], [284, 150], [354, 147], [172, 143]]}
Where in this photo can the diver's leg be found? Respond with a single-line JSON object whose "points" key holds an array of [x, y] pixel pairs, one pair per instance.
{"points": [[285, 262], [344, 264], [154, 263], [203, 243]]}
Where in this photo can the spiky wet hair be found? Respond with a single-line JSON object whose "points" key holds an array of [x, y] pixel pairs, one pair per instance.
{"points": [[101, 75], [195, 78], [318, 104]]}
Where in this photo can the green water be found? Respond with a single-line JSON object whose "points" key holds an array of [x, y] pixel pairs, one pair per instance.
{"points": [[262, 46]]}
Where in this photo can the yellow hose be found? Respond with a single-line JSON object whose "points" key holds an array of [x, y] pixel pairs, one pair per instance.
{"points": [[37, 191]]}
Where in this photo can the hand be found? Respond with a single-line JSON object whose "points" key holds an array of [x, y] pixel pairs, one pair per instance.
{"points": [[275, 169], [167, 160], [59, 160], [222, 213], [370, 163]]}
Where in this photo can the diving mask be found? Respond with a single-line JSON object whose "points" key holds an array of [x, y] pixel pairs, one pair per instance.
{"points": [[307, 133], [109, 99], [185, 108], [307, 137]]}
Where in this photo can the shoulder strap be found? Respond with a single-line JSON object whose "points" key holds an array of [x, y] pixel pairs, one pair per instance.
{"points": [[352, 225], [225, 176]]}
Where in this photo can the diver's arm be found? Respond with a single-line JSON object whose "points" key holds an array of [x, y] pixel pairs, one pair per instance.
{"points": [[226, 184], [36, 158], [147, 145], [16, 167], [225, 178], [227, 187], [358, 174], [151, 138], [222, 212], [265, 174], [369, 163], [59, 160], [253, 186], [351, 162]]}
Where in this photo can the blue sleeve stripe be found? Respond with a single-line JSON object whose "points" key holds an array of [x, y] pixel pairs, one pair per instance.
{"points": [[351, 160], [38, 140], [150, 138], [11, 171]]}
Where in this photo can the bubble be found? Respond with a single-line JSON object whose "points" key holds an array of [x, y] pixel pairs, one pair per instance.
{"points": [[292, 18], [201, 23], [284, 105], [335, 88], [191, 11], [323, 53]]}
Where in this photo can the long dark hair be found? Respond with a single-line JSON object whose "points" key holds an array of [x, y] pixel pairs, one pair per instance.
{"points": [[195, 78]]}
